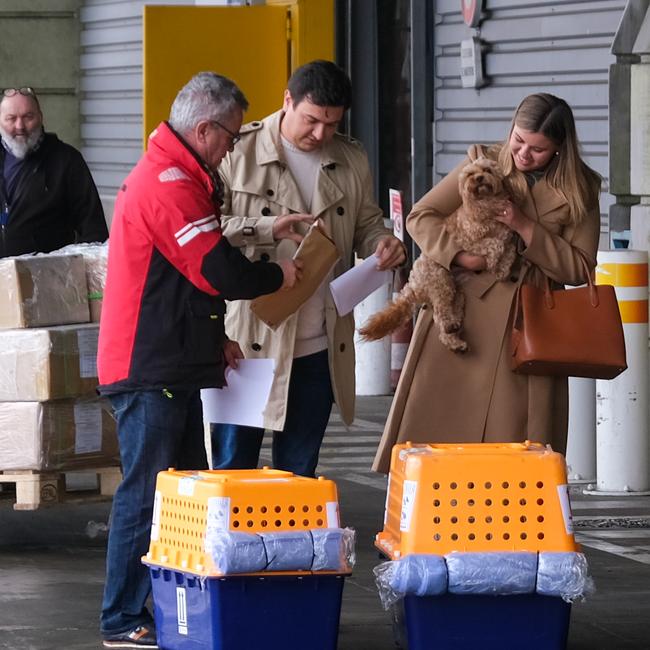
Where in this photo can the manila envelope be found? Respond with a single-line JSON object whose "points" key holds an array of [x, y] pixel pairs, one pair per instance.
{"points": [[318, 254]]}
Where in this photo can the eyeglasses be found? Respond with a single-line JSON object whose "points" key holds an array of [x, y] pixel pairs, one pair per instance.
{"points": [[234, 137], [25, 90]]}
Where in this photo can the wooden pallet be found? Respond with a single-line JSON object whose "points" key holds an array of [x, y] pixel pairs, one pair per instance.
{"points": [[35, 489]]}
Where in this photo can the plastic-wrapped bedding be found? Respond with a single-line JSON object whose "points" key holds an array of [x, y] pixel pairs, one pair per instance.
{"points": [[328, 549], [563, 574], [288, 551], [234, 552], [492, 573], [419, 575], [333, 549]]}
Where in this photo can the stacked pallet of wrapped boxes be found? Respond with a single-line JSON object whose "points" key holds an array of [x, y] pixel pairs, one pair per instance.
{"points": [[481, 545], [51, 419], [246, 559]]}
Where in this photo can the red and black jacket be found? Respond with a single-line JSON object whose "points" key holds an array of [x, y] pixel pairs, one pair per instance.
{"points": [[169, 272]]}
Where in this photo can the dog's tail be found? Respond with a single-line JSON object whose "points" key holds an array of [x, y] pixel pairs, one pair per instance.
{"points": [[391, 317]]}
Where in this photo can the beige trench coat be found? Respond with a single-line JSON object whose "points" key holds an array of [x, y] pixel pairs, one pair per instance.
{"points": [[475, 397], [259, 187]]}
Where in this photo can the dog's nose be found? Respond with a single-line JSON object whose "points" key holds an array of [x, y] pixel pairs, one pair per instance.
{"points": [[479, 178]]}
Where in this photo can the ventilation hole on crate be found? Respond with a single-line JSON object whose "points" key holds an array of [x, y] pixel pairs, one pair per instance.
{"points": [[454, 520], [278, 523], [488, 520], [488, 536], [263, 509], [540, 484], [506, 502], [249, 523], [235, 510], [436, 486], [437, 537], [540, 518], [470, 502], [292, 509], [436, 503], [249, 509], [453, 503], [488, 485], [540, 535], [277, 509], [305, 508], [263, 523], [292, 522], [235, 524], [522, 502], [454, 537], [470, 485], [319, 508], [319, 522], [436, 520], [305, 523], [540, 502], [522, 484], [488, 502], [453, 486], [523, 519], [471, 536], [523, 536], [506, 535], [506, 519], [505, 485]]}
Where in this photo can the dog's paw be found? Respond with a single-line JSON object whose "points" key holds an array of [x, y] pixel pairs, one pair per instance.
{"points": [[454, 343]]}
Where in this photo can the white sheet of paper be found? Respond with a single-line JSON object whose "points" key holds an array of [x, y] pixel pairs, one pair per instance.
{"points": [[244, 399], [349, 289]]}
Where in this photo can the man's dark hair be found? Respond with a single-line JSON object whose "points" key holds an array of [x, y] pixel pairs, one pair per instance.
{"points": [[322, 82]]}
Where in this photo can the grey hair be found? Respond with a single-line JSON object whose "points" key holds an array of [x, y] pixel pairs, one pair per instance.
{"points": [[206, 96]]}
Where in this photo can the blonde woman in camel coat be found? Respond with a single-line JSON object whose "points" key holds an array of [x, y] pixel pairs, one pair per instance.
{"points": [[444, 396]]}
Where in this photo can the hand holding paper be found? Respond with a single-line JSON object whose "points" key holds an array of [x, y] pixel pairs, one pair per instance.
{"points": [[349, 289]]}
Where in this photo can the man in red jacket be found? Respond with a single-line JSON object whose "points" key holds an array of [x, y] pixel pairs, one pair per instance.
{"points": [[162, 335]]}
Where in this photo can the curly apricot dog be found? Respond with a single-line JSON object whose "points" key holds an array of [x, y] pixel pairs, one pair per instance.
{"points": [[476, 231]]}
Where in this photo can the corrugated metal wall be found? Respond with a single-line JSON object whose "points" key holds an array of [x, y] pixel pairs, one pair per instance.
{"points": [[562, 47], [111, 88]]}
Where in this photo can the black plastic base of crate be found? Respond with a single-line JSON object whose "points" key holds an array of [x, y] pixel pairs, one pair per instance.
{"points": [[283, 612], [454, 622]]}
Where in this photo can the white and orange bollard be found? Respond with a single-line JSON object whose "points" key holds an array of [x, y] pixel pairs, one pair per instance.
{"points": [[622, 438]]}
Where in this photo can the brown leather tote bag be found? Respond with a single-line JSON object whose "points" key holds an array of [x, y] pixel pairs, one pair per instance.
{"points": [[573, 332]]}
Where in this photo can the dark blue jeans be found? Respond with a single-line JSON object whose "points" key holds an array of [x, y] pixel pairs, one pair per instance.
{"points": [[156, 432], [296, 447]]}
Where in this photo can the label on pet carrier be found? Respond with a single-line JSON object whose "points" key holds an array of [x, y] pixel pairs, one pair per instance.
{"points": [[409, 488], [155, 521], [565, 504], [181, 609], [332, 510], [387, 499], [186, 486], [218, 513]]}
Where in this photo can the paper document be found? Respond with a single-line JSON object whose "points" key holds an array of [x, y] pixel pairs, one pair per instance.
{"points": [[349, 289], [244, 399]]}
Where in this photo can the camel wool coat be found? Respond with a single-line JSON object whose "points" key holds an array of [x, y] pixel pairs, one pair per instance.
{"points": [[258, 188], [445, 397]]}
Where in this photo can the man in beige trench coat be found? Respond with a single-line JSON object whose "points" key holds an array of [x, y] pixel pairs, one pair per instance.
{"points": [[289, 169]]}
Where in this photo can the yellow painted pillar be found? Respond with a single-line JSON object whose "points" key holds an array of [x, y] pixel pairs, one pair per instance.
{"points": [[311, 29]]}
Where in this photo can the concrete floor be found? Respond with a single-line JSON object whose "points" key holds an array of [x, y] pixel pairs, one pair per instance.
{"points": [[52, 566]]}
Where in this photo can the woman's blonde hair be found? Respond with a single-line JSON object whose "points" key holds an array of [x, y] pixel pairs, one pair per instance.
{"points": [[566, 172]]}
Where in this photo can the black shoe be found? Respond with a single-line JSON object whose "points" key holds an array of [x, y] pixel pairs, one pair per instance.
{"points": [[141, 637]]}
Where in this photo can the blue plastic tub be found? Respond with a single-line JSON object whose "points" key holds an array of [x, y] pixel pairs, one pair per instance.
{"points": [[246, 612], [468, 622]]}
